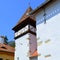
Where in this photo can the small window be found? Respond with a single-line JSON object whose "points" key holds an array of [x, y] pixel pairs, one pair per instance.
{"points": [[47, 56], [44, 16], [47, 41], [39, 43]]}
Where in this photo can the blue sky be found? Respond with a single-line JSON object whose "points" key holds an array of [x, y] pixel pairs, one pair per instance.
{"points": [[10, 13]]}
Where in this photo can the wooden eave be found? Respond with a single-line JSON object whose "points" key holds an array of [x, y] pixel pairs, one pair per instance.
{"points": [[28, 20]]}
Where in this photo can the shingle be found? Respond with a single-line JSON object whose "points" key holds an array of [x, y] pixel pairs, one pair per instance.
{"points": [[6, 48], [25, 16]]}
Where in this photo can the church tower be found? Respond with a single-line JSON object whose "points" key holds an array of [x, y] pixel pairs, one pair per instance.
{"points": [[25, 38]]}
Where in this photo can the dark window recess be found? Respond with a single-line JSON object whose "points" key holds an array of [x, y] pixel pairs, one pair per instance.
{"points": [[1, 59], [44, 16], [3, 47]]}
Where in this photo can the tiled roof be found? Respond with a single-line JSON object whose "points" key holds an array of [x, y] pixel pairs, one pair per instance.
{"points": [[25, 16], [6, 48], [34, 54]]}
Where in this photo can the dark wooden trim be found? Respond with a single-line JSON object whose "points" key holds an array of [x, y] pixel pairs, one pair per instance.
{"points": [[28, 21], [6, 51], [24, 34], [33, 57], [21, 35]]}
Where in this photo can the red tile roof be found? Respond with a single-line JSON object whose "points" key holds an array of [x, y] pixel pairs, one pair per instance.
{"points": [[34, 54], [6, 48]]}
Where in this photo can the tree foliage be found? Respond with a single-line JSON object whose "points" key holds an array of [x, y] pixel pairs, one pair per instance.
{"points": [[11, 43], [5, 40]]}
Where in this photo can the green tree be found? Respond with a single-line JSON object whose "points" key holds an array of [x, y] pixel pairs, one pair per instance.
{"points": [[6, 40], [11, 43]]}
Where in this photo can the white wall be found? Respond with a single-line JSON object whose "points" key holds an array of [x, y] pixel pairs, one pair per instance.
{"points": [[24, 45], [49, 32], [22, 48]]}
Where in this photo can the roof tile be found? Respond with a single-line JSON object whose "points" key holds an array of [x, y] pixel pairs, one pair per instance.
{"points": [[6, 48]]}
